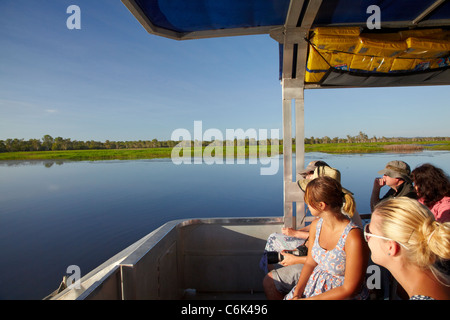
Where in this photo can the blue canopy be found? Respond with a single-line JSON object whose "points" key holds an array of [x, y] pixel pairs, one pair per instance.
{"points": [[398, 13], [185, 16], [190, 19]]}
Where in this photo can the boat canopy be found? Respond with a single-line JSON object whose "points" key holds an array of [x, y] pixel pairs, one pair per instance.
{"points": [[323, 44], [181, 19]]}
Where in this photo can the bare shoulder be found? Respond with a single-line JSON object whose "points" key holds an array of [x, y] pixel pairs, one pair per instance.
{"points": [[312, 229], [354, 238]]}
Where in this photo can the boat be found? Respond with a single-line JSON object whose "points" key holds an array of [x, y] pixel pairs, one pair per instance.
{"points": [[323, 44]]}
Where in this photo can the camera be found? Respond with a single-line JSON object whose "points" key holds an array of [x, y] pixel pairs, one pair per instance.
{"points": [[275, 257]]}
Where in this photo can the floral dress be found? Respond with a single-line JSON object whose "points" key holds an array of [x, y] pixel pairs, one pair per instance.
{"points": [[330, 270]]}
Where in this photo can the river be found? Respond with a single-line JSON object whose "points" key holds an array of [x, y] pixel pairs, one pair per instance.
{"points": [[57, 214]]}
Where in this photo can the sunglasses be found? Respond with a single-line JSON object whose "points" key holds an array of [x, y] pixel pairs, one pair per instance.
{"points": [[367, 235]]}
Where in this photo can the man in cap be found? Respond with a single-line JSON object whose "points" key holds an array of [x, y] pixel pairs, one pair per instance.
{"points": [[396, 175]]}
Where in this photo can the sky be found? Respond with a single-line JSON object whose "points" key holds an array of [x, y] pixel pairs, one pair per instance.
{"points": [[111, 80]]}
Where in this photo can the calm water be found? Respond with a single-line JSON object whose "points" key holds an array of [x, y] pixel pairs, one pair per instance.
{"points": [[53, 215]]}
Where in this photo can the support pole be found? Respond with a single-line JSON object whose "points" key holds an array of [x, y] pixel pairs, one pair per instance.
{"points": [[295, 50], [300, 153]]}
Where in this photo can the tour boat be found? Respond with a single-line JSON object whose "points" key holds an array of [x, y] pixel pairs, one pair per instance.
{"points": [[323, 44]]}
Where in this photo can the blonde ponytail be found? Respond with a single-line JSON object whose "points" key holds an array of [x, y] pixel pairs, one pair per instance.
{"points": [[438, 240], [349, 206]]}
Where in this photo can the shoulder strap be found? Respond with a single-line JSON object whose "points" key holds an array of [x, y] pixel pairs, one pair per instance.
{"points": [[318, 228], [351, 225]]}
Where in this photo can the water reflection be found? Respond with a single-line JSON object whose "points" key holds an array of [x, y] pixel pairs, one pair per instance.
{"points": [[21, 163], [56, 213]]}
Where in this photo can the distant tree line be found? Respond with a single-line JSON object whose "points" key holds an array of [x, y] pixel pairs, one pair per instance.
{"points": [[364, 138], [48, 143]]}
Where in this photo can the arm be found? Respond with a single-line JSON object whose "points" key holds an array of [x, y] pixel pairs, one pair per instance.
{"points": [[309, 264], [290, 259], [355, 269], [301, 233], [375, 197]]}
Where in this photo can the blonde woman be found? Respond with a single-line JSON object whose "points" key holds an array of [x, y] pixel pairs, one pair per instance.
{"points": [[404, 237]]}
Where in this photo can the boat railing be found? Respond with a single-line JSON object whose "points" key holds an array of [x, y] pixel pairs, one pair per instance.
{"points": [[214, 257]]}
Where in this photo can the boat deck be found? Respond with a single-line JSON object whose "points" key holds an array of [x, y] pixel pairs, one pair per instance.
{"points": [[214, 258]]}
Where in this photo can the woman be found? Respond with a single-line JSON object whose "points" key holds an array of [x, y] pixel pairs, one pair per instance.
{"points": [[290, 238], [404, 237], [433, 189], [336, 264]]}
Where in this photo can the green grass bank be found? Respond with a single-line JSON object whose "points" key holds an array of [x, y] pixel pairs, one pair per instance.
{"points": [[157, 153]]}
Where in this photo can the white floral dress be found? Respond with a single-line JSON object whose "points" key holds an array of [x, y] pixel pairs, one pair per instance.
{"points": [[330, 270]]}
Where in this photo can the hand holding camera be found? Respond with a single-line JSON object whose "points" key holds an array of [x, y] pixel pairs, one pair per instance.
{"points": [[277, 257]]}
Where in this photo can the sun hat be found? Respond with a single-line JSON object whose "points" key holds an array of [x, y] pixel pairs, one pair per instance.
{"points": [[311, 167], [397, 169], [320, 172]]}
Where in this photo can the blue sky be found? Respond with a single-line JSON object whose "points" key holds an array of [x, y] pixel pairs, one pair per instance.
{"points": [[111, 80]]}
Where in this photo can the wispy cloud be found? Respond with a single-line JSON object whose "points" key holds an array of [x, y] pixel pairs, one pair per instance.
{"points": [[24, 108], [16, 104]]}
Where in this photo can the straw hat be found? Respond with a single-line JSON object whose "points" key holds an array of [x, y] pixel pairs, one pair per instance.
{"points": [[311, 167], [320, 172]]}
